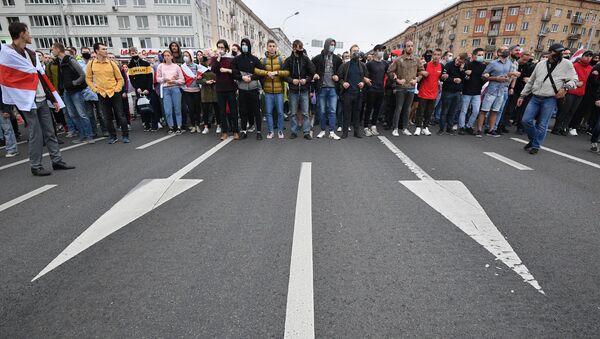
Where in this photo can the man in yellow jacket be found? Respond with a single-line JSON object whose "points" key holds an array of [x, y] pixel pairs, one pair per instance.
{"points": [[273, 86]]}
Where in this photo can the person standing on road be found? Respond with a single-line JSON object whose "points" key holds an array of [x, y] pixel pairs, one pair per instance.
{"points": [[191, 93], [326, 64], [6, 131], [104, 78], [170, 76], [29, 93], [210, 109], [377, 69], [301, 71], [353, 76], [226, 88], [472, 91], [428, 92], [525, 68], [404, 71], [141, 78], [453, 78], [550, 81]]}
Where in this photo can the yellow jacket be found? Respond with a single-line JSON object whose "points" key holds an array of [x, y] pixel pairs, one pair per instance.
{"points": [[104, 77], [272, 64]]}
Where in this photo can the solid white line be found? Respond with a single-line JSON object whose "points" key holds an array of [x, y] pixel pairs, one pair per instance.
{"points": [[300, 311], [155, 141], [589, 163], [508, 161], [185, 170], [24, 197], [412, 166], [12, 164]]}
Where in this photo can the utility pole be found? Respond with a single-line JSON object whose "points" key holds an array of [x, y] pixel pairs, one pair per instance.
{"points": [[64, 23]]}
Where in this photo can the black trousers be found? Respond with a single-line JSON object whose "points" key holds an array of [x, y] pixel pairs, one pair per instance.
{"points": [[424, 111], [566, 111], [374, 103], [250, 109], [210, 110], [113, 106], [352, 103], [229, 121], [192, 105], [390, 106]]}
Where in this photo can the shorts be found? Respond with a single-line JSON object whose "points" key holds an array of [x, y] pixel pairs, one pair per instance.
{"points": [[492, 103]]}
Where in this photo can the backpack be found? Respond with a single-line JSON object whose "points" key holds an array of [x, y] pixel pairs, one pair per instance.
{"points": [[278, 59]]}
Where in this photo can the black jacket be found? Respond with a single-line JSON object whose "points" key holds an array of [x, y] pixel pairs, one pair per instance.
{"points": [[71, 77], [300, 67], [453, 72], [319, 62], [342, 72], [246, 62], [140, 74]]}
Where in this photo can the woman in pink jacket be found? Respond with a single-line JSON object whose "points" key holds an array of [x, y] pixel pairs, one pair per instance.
{"points": [[170, 77]]}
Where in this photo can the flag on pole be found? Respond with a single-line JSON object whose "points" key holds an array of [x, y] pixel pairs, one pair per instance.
{"points": [[577, 55]]}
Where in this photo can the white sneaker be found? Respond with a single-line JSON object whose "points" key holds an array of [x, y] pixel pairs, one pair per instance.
{"points": [[205, 130], [218, 131], [339, 129], [252, 129], [395, 132], [455, 127], [417, 131], [193, 129], [406, 132], [374, 130], [573, 132], [368, 132], [321, 134], [333, 136], [426, 131]]}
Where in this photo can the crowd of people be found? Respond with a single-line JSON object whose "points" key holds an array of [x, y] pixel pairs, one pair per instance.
{"points": [[232, 91]]}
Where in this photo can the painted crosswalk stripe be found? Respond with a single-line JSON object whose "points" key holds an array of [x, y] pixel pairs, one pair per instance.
{"points": [[12, 164], [508, 161], [589, 163], [300, 314], [155, 142], [24, 197]]}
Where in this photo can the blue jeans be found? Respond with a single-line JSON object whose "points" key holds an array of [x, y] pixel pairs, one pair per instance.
{"points": [[475, 102], [299, 104], [77, 111], [70, 123], [172, 103], [438, 105], [9, 135], [274, 101], [501, 111], [541, 110], [327, 100], [450, 101]]}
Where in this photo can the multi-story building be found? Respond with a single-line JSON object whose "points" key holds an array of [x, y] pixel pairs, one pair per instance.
{"points": [[532, 24], [147, 24]]}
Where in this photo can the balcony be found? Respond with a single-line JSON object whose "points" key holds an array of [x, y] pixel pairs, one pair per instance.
{"points": [[496, 18], [453, 22], [544, 32], [546, 17], [493, 33], [440, 27], [575, 36], [490, 48], [451, 36], [577, 20]]}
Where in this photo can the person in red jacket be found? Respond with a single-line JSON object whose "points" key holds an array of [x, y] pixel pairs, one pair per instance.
{"points": [[574, 96], [428, 92]]}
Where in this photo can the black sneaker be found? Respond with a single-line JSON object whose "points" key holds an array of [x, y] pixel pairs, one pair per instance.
{"points": [[293, 136], [461, 131], [528, 146], [555, 132], [451, 132], [243, 135], [534, 151], [441, 132], [40, 172], [258, 135], [307, 136], [493, 134], [470, 130], [504, 130], [479, 134]]}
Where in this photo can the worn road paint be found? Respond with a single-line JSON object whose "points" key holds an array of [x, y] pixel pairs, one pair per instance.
{"points": [[508, 161], [24, 197]]}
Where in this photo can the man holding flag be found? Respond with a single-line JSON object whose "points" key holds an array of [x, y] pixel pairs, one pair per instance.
{"points": [[25, 85]]}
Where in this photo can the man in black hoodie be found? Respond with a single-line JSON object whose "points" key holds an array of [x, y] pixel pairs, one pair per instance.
{"points": [[326, 66], [353, 75], [301, 71], [243, 66], [141, 78]]}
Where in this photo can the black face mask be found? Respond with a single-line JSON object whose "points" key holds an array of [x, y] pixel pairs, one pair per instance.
{"points": [[86, 56], [566, 56], [234, 53], [593, 62], [299, 53], [427, 57]]}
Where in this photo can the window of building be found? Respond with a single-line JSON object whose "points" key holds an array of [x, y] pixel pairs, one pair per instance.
{"points": [[583, 31], [554, 28], [512, 11], [47, 42], [466, 29], [8, 2], [507, 41], [174, 21], [558, 12], [597, 33], [126, 42], [510, 27], [463, 43], [139, 3], [478, 28], [468, 14], [183, 41], [123, 22], [90, 41], [570, 44], [524, 25], [481, 13], [120, 2], [569, 14], [39, 2], [86, 2], [145, 43], [476, 42], [89, 20], [594, 17], [142, 22], [574, 30], [491, 41], [565, 29], [45, 20], [171, 2], [550, 42], [12, 19], [521, 41], [527, 11], [579, 45], [489, 55]]}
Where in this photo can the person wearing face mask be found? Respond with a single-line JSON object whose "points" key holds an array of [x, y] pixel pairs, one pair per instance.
{"points": [[235, 50], [389, 97], [191, 92], [243, 67], [566, 54], [326, 66], [301, 72], [472, 91], [226, 89], [377, 68], [550, 81], [354, 76], [498, 74], [453, 77], [502, 120], [574, 97], [91, 98], [526, 67], [428, 55], [141, 78]]}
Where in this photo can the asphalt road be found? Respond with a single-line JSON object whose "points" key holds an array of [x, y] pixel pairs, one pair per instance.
{"points": [[214, 261]]}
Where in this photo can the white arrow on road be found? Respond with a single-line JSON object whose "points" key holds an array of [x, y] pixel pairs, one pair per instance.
{"points": [[454, 201], [145, 197]]}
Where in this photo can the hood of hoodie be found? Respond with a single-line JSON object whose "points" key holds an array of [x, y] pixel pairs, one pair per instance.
{"points": [[326, 45], [179, 51], [247, 42]]}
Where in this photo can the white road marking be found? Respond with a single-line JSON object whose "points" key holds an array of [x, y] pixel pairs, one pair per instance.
{"points": [[300, 314], [145, 197], [454, 201], [589, 163], [12, 164], [24, 197], [508, 161], [155, 141]]}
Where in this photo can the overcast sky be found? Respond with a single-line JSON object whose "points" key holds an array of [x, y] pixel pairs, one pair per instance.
{"points": [[363, 22]]}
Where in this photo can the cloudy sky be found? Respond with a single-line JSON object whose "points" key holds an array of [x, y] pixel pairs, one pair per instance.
{"points": [[363, 22]]}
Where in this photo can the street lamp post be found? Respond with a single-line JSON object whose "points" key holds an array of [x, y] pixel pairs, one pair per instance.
{"points": [[286, 19]]}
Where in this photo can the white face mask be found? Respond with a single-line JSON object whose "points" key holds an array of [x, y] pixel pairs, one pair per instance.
{"points": [[186, 59], [380, 55]]}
